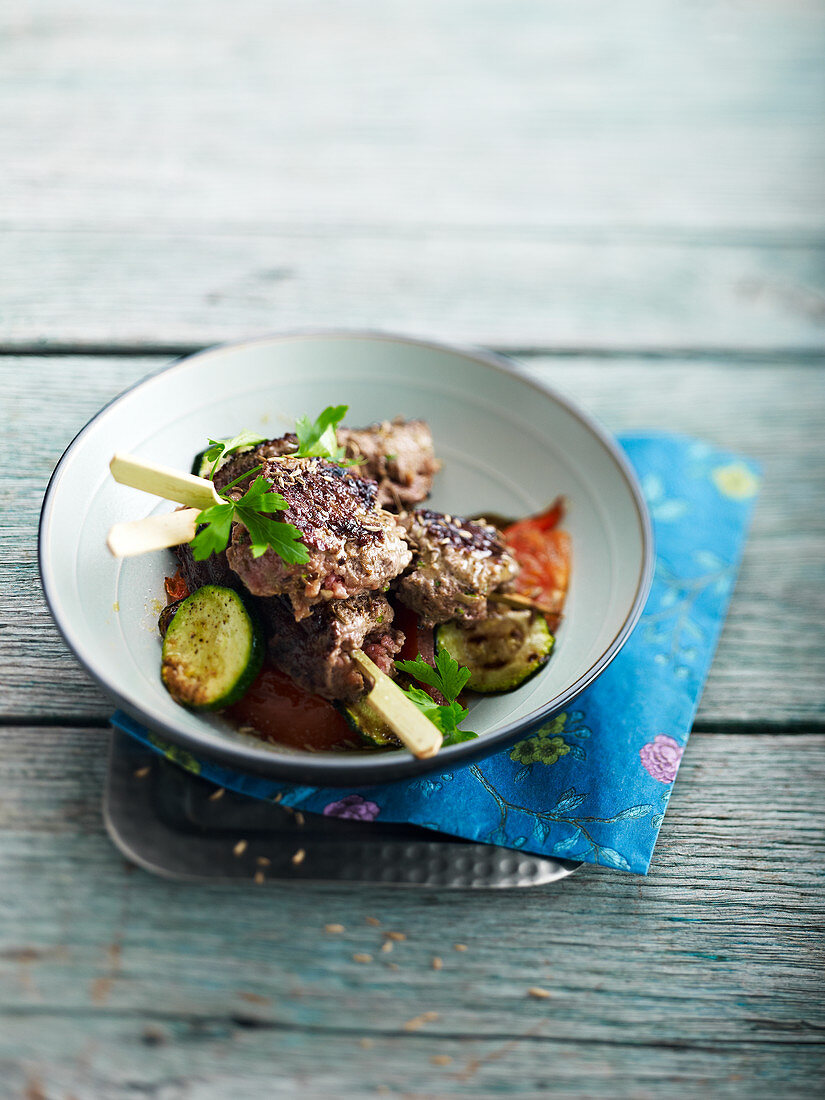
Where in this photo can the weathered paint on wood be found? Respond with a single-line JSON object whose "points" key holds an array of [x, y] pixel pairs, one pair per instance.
{"points": [[203, 115], [506, 288], [644, 175], [770, 666], [705, 974]]}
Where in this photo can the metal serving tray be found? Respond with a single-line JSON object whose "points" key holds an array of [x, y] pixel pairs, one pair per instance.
{"points": [[163, 819]]}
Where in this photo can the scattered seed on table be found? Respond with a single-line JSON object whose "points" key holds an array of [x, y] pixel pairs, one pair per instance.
{"points": [[215, 795], [263, 861], [539, 993], [260, 877], [418, 1021], [141, 773], [393, 966], [278, 797], [299, 818], [299, 856], [398, 936], [362, 957], [366, 1043], [372, 920], [460, 946], [386, 946], [437, 963], [333, 929], [441, 1059], [240, 847]]}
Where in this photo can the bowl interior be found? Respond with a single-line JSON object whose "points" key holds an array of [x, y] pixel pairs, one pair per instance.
{"points": [[507, 447]]}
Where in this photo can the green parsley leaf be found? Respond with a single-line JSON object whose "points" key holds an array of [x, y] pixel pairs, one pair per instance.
{"points": [[214, 536], [317, 439], [449, 678], [453, 677], [219, 449], [261, 497], [251, 510]]}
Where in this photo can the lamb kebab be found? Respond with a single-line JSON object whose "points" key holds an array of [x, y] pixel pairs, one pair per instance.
{"points": [[325, 610], [397, 454], [354, 546]]}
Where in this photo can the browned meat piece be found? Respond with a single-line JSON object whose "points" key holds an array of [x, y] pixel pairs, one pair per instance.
{"points": [[317, 651], [398, 455], [456, 564], [354, 546], [215, 570], [248, 460]]}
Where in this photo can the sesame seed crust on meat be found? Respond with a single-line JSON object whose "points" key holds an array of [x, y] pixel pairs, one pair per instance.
{"points": [[354, 545], [398, 454], [456, 564]]}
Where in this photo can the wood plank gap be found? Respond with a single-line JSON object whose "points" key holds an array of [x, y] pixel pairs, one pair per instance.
{"points": [[649, 234], [752, 357], [50, 721], [250, 1022], [760, 729]]}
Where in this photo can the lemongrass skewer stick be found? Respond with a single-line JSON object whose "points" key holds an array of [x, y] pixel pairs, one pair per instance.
{"points": [[513, 599], [126, 540], [403, 717], [162, 481]]}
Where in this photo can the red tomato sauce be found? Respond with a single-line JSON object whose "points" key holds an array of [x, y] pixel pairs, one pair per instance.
{"points": [[284, 713]]}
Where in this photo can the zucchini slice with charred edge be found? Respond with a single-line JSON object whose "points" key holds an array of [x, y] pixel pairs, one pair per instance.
{"points": [[501, 652], [368, 724], [212, 651]]}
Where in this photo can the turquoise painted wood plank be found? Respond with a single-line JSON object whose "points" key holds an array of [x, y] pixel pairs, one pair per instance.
{"points": [[506, 288], [770, 667], [653, 112], [708, 970], [521, 175]]}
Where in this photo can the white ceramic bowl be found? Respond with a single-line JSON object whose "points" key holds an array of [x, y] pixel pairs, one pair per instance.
{"points": [[508, 445]]}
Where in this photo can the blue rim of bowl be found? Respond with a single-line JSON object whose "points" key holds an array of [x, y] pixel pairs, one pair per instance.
{"points": [[356, 769]]}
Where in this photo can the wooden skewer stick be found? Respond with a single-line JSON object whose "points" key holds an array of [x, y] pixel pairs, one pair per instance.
{"points": [[164, 482], [402, 716], [126, 540], [513, 599]]}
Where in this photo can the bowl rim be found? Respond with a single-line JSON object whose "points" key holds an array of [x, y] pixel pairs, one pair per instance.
{"points": [[357, 770]]}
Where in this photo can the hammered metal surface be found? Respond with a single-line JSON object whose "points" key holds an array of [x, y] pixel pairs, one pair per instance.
{"points": [[164, 820]]}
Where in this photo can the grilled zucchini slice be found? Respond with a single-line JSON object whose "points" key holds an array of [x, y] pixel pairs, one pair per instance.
{"points": [[502, 651], [369, 725], [212, 651]]}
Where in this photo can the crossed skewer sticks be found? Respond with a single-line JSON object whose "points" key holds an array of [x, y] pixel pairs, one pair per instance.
{"points": [[406, 721]]}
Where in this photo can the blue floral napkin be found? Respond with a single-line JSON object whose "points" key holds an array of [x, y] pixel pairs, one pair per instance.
{"points": [[591, 783]]}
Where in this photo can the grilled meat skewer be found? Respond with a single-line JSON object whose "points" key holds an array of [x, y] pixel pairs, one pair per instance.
{"points": [[317, 652], [396, 454], [354, 546], [457, 564]]}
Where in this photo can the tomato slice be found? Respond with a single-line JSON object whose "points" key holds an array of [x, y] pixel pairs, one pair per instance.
{"points": [[281, 711], [543, 552]]}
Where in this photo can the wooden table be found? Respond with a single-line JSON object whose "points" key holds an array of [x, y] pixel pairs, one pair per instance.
{"points": [[627, 196]]}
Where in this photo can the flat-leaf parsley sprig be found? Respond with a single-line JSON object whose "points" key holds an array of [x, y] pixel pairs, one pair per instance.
{"points": [[219, 449], [317, 439], [447, 677], [253, 510]]}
